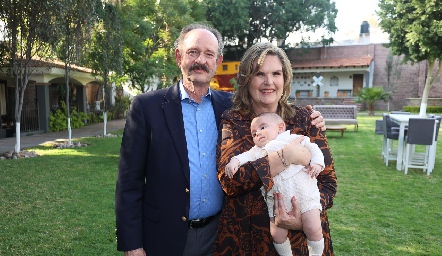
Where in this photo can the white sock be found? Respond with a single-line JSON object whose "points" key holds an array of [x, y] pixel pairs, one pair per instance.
{"points": [[284, 249], [316, 247]]}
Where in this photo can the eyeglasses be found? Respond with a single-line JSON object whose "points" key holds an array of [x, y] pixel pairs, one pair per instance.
{"points": [[193, 54]]}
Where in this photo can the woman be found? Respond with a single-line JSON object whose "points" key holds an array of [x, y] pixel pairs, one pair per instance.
{"points": [[264, 80]]}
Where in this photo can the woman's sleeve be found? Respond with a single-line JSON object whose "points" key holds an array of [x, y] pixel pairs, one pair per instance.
{"points": [[250, 176]]}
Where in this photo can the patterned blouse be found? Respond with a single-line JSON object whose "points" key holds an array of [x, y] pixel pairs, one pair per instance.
{"points": [[244, 224]]}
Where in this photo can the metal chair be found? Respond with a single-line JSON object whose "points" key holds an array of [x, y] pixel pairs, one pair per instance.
{"points": [[421, 131], [378, 127], [439, 119], [390, 131]]}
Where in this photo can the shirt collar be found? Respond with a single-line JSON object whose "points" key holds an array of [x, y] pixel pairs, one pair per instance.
{"points": [[184, 95]]}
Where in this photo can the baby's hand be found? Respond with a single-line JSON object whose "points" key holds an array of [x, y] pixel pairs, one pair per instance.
{"points": [[232, 167], [314, 170]]}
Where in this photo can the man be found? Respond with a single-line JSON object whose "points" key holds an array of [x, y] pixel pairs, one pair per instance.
{"points": [[168, 197]]}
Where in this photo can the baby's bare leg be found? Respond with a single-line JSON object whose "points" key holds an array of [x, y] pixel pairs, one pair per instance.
{"points": [[311, 224], [280, 239], [312, 228], [279, 234]]}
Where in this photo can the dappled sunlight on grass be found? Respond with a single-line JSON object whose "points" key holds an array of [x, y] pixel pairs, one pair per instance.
{"points": [[93, 149]]}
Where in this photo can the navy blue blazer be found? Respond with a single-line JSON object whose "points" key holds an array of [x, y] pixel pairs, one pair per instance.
{"points": [[152, 192]]}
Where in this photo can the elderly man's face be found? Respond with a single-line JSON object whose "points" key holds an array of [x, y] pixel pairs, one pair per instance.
{"points": [[198, 57]]}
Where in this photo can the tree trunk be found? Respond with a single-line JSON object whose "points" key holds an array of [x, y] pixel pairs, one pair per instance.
{"points": [[68, 103], [428, 84]]}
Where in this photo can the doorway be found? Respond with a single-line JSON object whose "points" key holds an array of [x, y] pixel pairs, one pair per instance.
{"points": [[358, 80]]}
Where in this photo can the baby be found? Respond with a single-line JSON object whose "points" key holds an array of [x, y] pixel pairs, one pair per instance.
{"points": [[270, 135]]}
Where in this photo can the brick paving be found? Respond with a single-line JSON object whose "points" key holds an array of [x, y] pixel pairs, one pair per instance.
{"points": [[7, 144]]}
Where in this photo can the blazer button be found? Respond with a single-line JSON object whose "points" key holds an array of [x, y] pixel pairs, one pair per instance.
{"points": [[187, 190], [184, 218]]}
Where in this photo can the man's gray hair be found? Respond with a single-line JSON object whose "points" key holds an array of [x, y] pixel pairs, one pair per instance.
{"points": [[179, 41]]}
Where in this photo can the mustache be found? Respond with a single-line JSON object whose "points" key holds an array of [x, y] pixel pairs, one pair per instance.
{"points": [[199, 66]]}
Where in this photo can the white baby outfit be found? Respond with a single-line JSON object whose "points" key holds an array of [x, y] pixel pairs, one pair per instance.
{"points": [[294, 180]]}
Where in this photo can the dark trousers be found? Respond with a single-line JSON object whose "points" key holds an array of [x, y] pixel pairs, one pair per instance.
{"points": [[201, 241]]}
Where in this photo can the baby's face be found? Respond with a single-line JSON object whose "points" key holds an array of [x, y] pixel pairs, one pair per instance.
{"points": [[264, 129]]}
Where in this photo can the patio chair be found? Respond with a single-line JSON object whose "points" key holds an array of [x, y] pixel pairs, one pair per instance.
{"points": [[378, 128], [438, 118], [390, 131], [421, 131]]}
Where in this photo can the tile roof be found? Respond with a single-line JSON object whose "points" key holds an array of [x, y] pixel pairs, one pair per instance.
{"points": [[38, 62], [333, 63]]}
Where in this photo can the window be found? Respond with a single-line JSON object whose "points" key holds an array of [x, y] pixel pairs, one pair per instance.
{"points": [[225, 67], [334, 81]]}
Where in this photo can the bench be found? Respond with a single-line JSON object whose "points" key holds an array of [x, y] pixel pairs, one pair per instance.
{"points": [[336, 128], [339, 114]]}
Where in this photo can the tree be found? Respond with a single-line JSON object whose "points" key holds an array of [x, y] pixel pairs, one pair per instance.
{"points": [[369, 95], [105, 53], [75, 20], [149, 29], [30, 33], [244, 22], [414, 29]]}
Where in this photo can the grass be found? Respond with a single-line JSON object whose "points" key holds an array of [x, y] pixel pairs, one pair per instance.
{"points": [[379, 210], [62, 203]]}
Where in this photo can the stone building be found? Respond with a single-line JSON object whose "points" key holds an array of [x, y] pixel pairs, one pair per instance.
{"points": [[45, 90], [344, 69]]}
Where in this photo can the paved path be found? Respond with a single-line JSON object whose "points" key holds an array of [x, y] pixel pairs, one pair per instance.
{"points": [[7, 144]]}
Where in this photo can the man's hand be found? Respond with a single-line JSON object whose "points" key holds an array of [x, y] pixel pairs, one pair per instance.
{"points": [[136, 252], [288, 220], [317, 119], [294, 153]]}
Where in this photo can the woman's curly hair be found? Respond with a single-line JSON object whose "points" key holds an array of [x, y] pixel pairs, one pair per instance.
{"points": [[251, 62]]}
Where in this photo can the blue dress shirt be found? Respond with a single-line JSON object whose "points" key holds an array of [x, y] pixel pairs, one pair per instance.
{"points": [[206, 194]]}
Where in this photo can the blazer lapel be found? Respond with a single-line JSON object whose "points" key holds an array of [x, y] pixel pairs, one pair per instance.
{"points": [[174, 117]]}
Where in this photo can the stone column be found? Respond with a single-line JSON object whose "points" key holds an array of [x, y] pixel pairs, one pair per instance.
{"points": [[43, 106], [81, 98]]}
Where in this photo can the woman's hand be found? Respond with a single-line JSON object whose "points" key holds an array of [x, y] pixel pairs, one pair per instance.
{"points": [[288, 220], [136, 252], [317, 119], [294, 153]]}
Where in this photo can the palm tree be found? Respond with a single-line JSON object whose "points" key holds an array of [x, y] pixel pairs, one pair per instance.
{"points": [[370, 95]]}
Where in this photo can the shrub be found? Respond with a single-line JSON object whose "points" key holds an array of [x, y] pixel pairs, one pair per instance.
{"points": [[119, 110], [416, 109], [58, 120]]}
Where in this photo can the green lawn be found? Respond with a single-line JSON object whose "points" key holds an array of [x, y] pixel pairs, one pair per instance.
{"points": [[62, 203]]}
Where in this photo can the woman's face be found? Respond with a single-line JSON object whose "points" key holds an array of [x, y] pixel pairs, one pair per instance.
{"points": [[267, 85]]}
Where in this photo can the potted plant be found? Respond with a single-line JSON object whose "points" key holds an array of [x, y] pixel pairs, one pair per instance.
{"points": [[298, 93], [326, 93], [310, 93]]}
